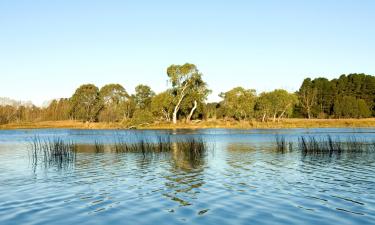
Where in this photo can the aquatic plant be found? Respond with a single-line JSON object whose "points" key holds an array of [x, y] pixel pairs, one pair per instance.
{"points": [[330, 146], [192, 146], [52, 151], [281, 144], [99, 147]]}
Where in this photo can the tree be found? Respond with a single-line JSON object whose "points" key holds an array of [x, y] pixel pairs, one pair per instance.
{"points": [[239, 103], [307, 95], [114, 99], [194, 101], [143, 96], [85, 103], [185, 79], [325, 96], [58, 109], [162, 105], [350, 107], [276, 104]]}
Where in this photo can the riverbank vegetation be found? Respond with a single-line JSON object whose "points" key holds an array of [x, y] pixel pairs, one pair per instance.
{"points": [[185, 104]]}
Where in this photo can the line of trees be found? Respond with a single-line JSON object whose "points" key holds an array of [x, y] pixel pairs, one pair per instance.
{"points": [[351, 96]]}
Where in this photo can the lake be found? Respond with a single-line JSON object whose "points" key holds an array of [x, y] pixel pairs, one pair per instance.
{"points": [[239, 180]]}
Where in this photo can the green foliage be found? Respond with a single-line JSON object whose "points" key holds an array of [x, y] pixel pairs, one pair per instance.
{"points": [[239, 103], [86, 103], [307, 97], [349, 96], [143, 96], [276, 104], [141, 117], [114, 100], [320, 97], [187, 83], [350, 107], [162, 105]]}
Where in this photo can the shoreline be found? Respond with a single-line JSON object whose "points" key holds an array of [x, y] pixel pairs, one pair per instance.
{"points": [[209, 124]]}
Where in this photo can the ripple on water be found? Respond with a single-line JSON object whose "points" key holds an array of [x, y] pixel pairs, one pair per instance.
{"points": [[237, 184]]}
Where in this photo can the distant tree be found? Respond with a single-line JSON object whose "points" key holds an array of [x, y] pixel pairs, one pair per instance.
{"points": [[308, 97], [185, 79], [276, 104], [85, 103], [239, 103], [162, 105], [350, 107], [211, 110], [114, 100], [325, 96], [143, 96], [194, 101]]}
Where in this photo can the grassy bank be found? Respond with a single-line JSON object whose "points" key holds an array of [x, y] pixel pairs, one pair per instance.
{"points": [[286, 123]]}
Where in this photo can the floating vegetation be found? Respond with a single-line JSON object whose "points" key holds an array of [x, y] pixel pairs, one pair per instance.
{"points": [[52, 152]]}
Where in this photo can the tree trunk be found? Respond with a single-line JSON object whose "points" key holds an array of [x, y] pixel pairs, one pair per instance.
{"points": [[175, 114], [281, 115], [177, 108], [264, 117], [192, 111], [308, 113], [274, 117]]}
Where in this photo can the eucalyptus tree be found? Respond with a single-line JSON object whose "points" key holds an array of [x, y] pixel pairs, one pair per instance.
{"points": [[162, 105], [307, 96], [85, 103], [186, 80], [239, 103], [143, 96], [114, 99], [276, 104]]}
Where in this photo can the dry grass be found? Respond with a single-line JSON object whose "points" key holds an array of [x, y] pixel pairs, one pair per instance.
{"points": [[286, 123]]}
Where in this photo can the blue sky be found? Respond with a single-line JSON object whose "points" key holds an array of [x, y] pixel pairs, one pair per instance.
{"points": [[48, 48]]}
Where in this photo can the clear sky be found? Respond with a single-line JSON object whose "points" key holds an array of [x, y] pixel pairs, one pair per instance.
{"points": [[48, 48]]}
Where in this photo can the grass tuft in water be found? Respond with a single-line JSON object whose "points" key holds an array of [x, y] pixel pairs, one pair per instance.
{"points": [[99, 147], [193, 146], [331, 146], [53, 151], [281, 144]]}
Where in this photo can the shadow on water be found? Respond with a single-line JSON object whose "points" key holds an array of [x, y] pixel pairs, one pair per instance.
{"points": [[186, 175]]}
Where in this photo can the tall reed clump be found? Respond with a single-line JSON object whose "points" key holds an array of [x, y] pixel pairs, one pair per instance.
{"points": [[98, 146], [142, 145], [193, 146], [282, 145], [53, 151], [331, 146]]}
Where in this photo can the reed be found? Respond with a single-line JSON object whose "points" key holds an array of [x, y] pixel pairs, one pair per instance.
{"points": [[331, 146], [53, 151], [281, 144], [98, 146], [193, 146]]}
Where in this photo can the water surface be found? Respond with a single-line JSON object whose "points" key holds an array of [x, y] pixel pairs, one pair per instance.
{"points": [[241, 180]]}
